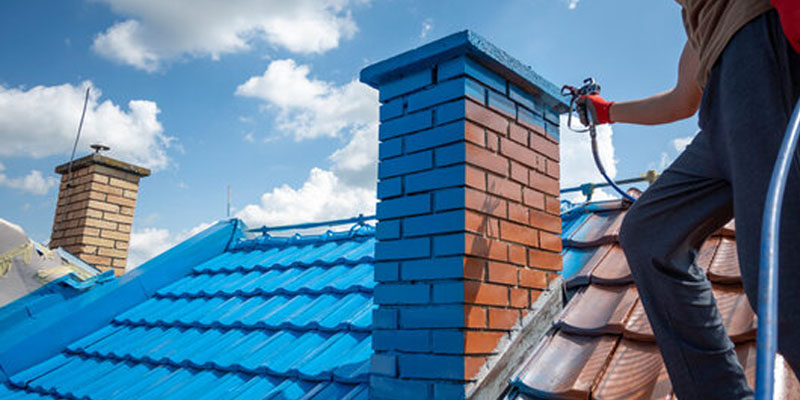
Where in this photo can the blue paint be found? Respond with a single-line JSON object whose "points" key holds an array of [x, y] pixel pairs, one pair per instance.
{"points": [[440, 93], [445, 390], [448, 342], [441, 135], [405, 164], [448, 291], [448, 245], [476, 91], [451, 154], [525, 99], [435, 179], [391, 388], [406, 124], [432, 316], [383, 364], [502, 105], [392, 109], [406, 84], [449, 112], [385, 318], [431, 366], [552, 130], [467, 66], [530, 118], [390, 188], [387, 271], [403, 249], [402, 293], [404, 206], [445, 222], [464, 43], [388, 229], [390, 148], [402, 340], [433, 268], [449, 199]]}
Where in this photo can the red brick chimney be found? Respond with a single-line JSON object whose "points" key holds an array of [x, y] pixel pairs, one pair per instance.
{"points": [[94, 215]]}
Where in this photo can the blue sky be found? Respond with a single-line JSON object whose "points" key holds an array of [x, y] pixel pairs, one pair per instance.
{"points": [[263, 96]]}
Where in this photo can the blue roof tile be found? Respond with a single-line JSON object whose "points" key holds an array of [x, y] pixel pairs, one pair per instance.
{"points": [[270, 317]]}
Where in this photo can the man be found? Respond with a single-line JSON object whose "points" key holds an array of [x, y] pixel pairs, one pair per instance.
{"points": [[741, 67]]}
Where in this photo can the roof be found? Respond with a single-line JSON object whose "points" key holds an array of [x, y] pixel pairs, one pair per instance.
{"points": [[285, 318], [602, 346], [28, 267]]}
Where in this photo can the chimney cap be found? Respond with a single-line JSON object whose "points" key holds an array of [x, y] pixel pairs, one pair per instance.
{"points": [[97, 159]]}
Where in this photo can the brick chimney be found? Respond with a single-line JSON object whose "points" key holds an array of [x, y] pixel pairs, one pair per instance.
{"points": [[468, 219], [95, 209]]}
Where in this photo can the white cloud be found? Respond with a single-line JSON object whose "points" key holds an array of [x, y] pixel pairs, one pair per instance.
{"points": [[427, 25], [149, 242], [34, 183], [572, 4], [310, 108], [42, 121], [577, 163], [322, 197], [158, 31], [680, 144]]}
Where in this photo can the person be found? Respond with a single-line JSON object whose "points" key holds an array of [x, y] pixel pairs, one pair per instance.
{"points": [[741, 67]]}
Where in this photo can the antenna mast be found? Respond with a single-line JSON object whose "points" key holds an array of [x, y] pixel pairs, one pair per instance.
{"points": [[77, 137]]}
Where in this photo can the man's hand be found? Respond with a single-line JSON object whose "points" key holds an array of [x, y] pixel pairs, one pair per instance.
{"points": [[595, 109], [789, 12]]}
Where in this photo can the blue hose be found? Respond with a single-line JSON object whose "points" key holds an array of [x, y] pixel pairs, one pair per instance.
{"points": [[767, 339], [595, 153]]}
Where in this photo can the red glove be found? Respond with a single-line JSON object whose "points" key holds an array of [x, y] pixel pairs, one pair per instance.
{"points": [[789, 12], [595, 105]]}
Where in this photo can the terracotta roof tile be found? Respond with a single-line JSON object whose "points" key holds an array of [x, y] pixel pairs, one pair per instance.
{"points": [[636, 371], [725, 266], [598, 309], [613, 269]]}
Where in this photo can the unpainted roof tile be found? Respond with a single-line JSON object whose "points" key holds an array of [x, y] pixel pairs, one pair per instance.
{"points": [[635, 372], [613, 269], [725, 266], [598, 309]]}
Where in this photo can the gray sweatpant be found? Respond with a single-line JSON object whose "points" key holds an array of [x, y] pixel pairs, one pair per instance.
{"points": [[724, 172]]}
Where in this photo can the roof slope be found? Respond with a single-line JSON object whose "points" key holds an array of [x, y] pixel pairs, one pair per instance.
{"points": [[602, 346], [281, 318]]}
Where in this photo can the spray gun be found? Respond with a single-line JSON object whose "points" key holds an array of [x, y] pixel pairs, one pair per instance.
{"points": [[590, 87]]}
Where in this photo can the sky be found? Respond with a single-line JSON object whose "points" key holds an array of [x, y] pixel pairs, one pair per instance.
{"points": [[263, 96]]}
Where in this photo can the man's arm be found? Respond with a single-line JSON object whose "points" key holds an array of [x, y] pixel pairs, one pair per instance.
{"points": [[678, 103]]}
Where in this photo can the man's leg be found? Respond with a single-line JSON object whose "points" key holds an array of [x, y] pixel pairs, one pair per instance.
{"points": [[757, 83], [661, 235]]}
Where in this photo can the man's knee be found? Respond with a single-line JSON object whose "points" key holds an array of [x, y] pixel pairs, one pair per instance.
{"points": [[631, 233]]}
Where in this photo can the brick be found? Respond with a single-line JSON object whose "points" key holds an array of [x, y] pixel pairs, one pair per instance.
{"points": [[532, 198], [466, 66], [544, 183], [475, 316], [101, 187], [487, 160], [403, 249], [552, 205], [475, 91], [504, 188], [401, 339], [449, 199], [500, 318], [450, 341], [119, 262], [517, 254], [475, 134], [402, 293], [385, 388], [517, 233], [502, 105], [99, 205], [406, 124], [435, 179], [485, 203], [112, 234], [485, 293], [122, 201], [433, 268], [492, 141], [383, 318], [405, 164], [125, 219], [387, 229], [124, 228], [525, 99], [431, 366], [390, 148], [475, 178], [502, 273], [519, 173], [123, 184], [95, 260], [474, 268], [481, 342], [544, 259], [531, 278], [544, 147], [448, 245], [451, 154], [448, 291], [432, 316], [481, 224], [487, 248], [520, 298], [518, 213], [96, 223], [486, 117], [122, 245], [436, 137], [545, 221], [439, 93], [549, 241], [112, 252], [383, 364], [404, 206], [531, 120], [406, 84], [472, 366], [553, 169], [387, 271], [445, 222], [391, 187], [391, 109], [518, 134]]}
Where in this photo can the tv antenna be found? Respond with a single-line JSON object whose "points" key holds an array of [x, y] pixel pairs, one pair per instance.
{"points": [[78, 137]]}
